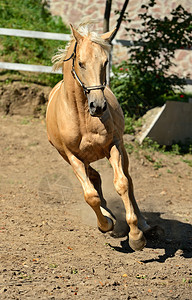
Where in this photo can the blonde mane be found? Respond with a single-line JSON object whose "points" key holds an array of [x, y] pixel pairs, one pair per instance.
{"points": [[85, 30]]}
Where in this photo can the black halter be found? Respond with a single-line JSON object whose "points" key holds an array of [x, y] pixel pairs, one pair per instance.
{"points": [[86, 89]]}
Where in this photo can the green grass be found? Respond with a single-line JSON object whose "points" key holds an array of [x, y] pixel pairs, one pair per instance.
{"points": [[188, 161], [30, 15], [175, 149], [132, 124], [152, 153]]}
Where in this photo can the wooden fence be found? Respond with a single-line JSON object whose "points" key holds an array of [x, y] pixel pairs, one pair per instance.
{"points": [[31, 34], [48, 36]]}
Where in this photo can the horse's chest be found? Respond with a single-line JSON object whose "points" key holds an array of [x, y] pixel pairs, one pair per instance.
{"points": [[89, 140], [92, 141], [93, 146]]}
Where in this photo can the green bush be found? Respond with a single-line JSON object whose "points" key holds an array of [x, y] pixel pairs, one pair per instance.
{"points": [[145, 81], [132, 124]]}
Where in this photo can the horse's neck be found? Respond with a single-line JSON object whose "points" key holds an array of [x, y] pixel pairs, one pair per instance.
{"points": [[74, 94], [67, 65]]}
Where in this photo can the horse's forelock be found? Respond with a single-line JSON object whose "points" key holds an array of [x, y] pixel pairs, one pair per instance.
{"points": [[84, 30]]}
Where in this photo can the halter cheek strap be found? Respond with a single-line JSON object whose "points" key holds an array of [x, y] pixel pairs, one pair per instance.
{"points": [[86, 89]]}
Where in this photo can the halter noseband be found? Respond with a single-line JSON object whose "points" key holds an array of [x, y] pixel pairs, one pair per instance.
{"points": [[86, 89]]}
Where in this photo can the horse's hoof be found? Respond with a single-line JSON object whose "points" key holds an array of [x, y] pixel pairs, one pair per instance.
{"points": [[138, 244], [110, 225]]}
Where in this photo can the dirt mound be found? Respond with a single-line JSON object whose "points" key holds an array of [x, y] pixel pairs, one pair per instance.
{"points": [[23, 99]]}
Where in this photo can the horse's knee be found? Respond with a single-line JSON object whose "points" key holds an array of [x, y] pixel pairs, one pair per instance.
{"points": [[121, 185]]}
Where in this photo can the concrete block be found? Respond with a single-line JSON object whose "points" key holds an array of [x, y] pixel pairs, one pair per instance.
{"points": [[171, 123]]}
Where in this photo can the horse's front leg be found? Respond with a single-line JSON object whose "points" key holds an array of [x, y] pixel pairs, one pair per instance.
{"points": [[90, 193], [123, 185]]}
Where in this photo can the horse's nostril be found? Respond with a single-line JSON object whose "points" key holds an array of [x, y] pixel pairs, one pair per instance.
{"points": [[92, 105], [97, 110]]}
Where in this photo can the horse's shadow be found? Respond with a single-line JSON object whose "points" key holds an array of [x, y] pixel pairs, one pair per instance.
{"points": [[177, 236], [168, 234]]}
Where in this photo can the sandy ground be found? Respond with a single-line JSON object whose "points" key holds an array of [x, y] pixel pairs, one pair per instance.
{"points": [[50, 247]]}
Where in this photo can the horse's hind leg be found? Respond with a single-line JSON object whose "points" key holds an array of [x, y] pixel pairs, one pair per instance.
{"points": [[123, 184], [96, 181], [90, 193]]}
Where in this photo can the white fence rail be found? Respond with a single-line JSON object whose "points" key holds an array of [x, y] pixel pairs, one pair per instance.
{"points": [[35, 34], [28, 68], [48, 36], [31, 34]]}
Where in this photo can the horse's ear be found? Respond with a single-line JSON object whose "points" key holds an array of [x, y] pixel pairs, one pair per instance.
{"points": [[76, 34], [108, 35]]}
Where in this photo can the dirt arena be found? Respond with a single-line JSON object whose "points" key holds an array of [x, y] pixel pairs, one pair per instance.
{"points": [[50, 247]]}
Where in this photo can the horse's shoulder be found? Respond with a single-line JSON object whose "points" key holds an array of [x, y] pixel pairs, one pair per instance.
{"points": [[116, 111], [111, 99], [54, 90]]}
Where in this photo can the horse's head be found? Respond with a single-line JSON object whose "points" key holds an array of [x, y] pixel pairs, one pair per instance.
{"points": [[89, 68]]}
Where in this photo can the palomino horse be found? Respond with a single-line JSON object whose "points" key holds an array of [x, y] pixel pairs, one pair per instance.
{"points": [[85, 123]]}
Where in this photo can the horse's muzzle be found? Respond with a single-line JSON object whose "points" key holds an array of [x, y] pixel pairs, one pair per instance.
{"points": [[97, 110]]}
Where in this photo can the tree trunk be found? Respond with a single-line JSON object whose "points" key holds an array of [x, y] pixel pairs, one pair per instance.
{"points": [[107, 16]]}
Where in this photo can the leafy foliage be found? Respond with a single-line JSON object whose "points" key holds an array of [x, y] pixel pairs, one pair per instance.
{"points": [[145, 81]]}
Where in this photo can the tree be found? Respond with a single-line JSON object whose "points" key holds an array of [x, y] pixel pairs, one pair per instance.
{"points": [[107, 16]]}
